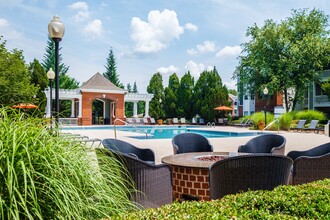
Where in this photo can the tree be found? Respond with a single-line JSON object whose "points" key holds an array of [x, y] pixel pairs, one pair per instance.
{"points": [[209, 93], [232, 91], [129, 105], [185, 96], [171, 100], [285, 56], [15, 86], [156, 87], [39, 79], [135, 90], [111, 70]]}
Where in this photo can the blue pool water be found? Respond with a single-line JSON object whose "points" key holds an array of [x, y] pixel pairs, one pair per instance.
{"points": [[163, 132]]}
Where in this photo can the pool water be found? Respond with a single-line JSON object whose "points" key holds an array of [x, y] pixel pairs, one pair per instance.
{"points": [[167, 132]]}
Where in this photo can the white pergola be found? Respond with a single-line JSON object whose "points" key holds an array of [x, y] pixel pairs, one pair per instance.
{"points": [[135, 97]]}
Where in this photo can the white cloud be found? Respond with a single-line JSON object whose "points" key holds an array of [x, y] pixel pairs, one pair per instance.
{"points": [[191, 27], [229, 51], [167, 70], [231, 85], [194, 68], [94, 28], [3, 23], [156, 33], [83, 12], [207, 46]]}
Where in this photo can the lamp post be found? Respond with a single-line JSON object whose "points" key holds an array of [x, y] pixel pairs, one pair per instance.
{"points": [[56, 32], [51, 76], [265, 95]]}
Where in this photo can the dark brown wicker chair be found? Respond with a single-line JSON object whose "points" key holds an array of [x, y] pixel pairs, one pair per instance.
{"points": [[310, 165], [127, 148], [265, 143], [153, 183], [248, 172], [190, 142]]}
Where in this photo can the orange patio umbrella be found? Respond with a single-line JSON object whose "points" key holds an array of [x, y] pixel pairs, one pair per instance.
{"points": [[23, 105], [223, 108]]}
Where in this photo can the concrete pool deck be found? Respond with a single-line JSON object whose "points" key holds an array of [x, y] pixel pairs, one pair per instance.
{"points": [[163, 147]]}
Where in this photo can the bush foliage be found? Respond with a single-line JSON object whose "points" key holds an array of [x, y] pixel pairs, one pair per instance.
{"points": [[48, 177], [308, 201], [310, 115]]}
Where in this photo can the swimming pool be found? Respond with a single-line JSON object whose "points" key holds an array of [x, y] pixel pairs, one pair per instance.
{"points": [[167, 132]]}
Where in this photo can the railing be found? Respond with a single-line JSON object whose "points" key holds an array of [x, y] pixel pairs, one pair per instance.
{"points": [[270, 124], [126, 123], [209, 124]]}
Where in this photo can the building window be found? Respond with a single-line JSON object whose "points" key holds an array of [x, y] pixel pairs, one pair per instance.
{"points": [[246, 97], [318, 89]]}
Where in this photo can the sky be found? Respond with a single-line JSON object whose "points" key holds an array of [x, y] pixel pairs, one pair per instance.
{"points": [[146, 36]]}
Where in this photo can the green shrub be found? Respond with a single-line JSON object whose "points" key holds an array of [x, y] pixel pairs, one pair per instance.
{"points": [[285, 121], [310, 115], [308, 201], [260, 117], [48, 177]]}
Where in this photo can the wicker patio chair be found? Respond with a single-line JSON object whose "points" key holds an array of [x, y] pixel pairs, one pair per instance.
{"points": [[310, 165], [264, 143], [190, 142], [152, 183], [127, 148], [248, 172]]}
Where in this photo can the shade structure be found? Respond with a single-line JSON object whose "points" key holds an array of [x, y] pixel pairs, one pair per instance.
{"points": [[23, 105], [223, 108]]}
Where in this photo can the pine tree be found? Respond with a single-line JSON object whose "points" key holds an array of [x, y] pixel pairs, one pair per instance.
{"points": [[135, 88], [129, 87], [111, 70]]}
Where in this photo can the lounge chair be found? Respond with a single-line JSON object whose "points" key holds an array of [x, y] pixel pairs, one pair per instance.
{"points": [[146, 155], [190, 142], [248, 172], [194, 121], [201, 121], [300, 125], [264, 143], [129, 121], [145, 121], [175, 121], [152, 183], [182, 120], [312, 126], [152, 121], [310, 165]]}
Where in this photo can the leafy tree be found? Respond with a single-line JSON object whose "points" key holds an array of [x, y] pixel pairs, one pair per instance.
{"points": [[111, 70], [170, 93], [185, 96], [40, 80], [209, 93], [156, 87], [129, 105], [15, 86], [285, 56], [232, 91]]}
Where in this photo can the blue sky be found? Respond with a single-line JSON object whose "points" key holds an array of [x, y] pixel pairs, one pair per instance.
{"points": [[146, 35]]}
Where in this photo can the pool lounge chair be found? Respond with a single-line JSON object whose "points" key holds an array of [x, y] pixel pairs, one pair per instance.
{"points": [[152, 121], [201, 121], [194, 121], [312, 126], [182, 120], [175, 121], [300, 126], [145, 121]]}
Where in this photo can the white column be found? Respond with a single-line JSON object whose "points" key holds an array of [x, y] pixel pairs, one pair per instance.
{"points": [[135, 109], [80, 107], [146, 114], [72, 108], [48, 104]]}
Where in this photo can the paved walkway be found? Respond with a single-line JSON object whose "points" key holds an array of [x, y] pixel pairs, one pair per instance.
{"points": [[163, 147]]}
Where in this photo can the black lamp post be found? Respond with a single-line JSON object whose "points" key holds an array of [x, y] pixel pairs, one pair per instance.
{"points": [[51, 76], [265, 96], [56, 32]]}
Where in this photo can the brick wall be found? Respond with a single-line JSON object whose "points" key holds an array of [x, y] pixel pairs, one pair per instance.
{"points": [[89, 97], [190, 183]]}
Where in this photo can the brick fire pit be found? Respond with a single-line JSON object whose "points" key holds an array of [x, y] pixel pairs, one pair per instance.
{"points": [[190, 173]]}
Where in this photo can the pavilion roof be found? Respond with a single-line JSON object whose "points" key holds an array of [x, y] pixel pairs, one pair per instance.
{"points": [[99, 82]]}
